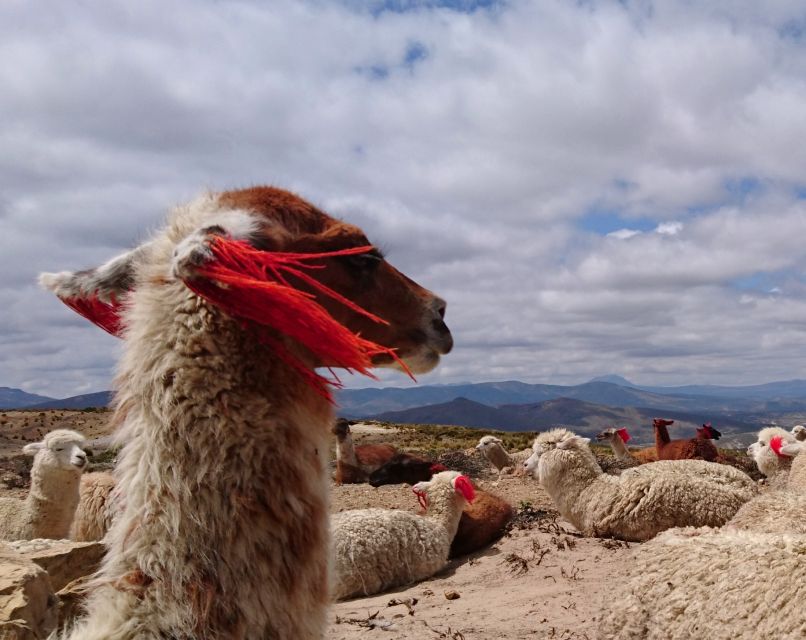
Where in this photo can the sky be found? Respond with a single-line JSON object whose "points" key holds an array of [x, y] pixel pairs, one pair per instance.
{"points": [[594, 187]]}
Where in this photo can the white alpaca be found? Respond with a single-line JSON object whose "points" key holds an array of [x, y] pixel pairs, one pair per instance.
{"points": [[642, 501], [223, 528], [799, 431], [769, 461], [48, 510], [377, 549]]}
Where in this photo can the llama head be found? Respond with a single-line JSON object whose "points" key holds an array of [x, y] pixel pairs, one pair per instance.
{"points": [[60, 449], [661, 422], [358, 289], [341, 429], [769, 450], [799, 431], [707, 432], [557, 447]]}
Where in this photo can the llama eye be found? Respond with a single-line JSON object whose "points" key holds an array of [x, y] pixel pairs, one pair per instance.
{"points": [[364, 261]]}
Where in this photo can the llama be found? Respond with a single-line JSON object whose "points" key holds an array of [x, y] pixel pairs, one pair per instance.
{"points": [[356, 464], [223, 527], [405, 468], [692, 449], [707, 432], [618, 439]]}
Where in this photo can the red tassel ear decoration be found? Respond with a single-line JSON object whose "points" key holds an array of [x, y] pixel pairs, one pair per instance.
{"points": [[465, 487], [437, 467], [624, 435], [105, 315], [775, 444], [251, 285]]}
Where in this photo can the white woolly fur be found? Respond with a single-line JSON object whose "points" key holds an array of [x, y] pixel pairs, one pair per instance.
{"points": [[49, 508], [640, 502], [377, 549], [767, 461], [96, 507], [703, 583]]}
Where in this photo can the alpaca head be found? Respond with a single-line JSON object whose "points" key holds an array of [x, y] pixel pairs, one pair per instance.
{"points": [[356, 289], [60, 449], [443, 485], [799, 431], [613, 435], [489, 442], [558, 449], [769, 450]]}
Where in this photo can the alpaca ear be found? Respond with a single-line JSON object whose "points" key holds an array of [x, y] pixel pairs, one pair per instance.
{"points": [[572, 441], [32, 447], [96, 293], [791, 449]]}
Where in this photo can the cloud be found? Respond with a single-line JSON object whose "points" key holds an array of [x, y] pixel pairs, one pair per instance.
{"points": [[587, 184]]}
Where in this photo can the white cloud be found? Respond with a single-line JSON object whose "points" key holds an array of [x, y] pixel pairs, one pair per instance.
{"points": [[471, 160]]}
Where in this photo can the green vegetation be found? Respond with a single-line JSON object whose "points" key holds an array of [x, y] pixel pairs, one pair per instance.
{"points": [[438, 438]]}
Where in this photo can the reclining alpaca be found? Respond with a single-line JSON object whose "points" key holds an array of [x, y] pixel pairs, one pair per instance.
{"points": [[642, 501], [49, 508], [492, 448], [377, 549], [355, 464], [692, 449], [223, 530], [405, 468]]}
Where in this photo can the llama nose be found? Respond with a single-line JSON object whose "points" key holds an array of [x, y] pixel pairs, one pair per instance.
{"points": [[439, 306]]}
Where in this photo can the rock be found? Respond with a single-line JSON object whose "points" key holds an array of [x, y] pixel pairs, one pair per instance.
{"points": [[64, 560], [452, 595], [29, 609]]}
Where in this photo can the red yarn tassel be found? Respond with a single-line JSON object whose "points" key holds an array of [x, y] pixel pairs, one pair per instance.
{"points": [[252, 285], [463, 485], [624, 435], [105, 315]]}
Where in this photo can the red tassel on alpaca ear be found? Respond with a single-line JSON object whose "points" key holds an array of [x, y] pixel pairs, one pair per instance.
{"points": [[465, 487], [624, 435], [775, 444], [106, 316], [251, 285], [437, 467]]}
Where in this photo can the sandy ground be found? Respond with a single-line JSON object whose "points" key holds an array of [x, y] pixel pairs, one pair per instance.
{"points": [[540, 582]]}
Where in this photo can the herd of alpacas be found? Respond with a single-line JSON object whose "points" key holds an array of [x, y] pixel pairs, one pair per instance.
{"points": [[216, 517]]}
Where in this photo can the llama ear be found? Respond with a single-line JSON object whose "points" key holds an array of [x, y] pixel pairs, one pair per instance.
{"points": [[96, 293], [32, 447], [624, 435], [463, 486]]}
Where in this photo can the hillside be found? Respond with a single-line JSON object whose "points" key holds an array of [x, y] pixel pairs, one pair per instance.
{"points": [[16, 398]]}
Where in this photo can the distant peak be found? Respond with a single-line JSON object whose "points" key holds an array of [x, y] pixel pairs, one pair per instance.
{"points": [[613, 379]]}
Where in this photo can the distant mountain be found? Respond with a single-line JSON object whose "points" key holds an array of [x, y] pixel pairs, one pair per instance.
{"points": [[774, 397], [585, 418], [613, 379], [99, 399], [17, 398]]}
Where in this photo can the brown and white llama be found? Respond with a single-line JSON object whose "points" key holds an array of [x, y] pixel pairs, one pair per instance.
{"points": [[354, 464], [696, 448], [223, 531]]}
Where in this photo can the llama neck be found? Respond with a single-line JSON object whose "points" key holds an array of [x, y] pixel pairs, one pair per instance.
{"points": [[222, 477], [661, 436], [345, 451], [619, 448], [499, 457], [52, 501]]}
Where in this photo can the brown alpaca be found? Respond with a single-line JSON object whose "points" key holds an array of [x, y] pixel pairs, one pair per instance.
{"points": [[223, 528], [692, 449], [355, 464], [481, 524]]}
